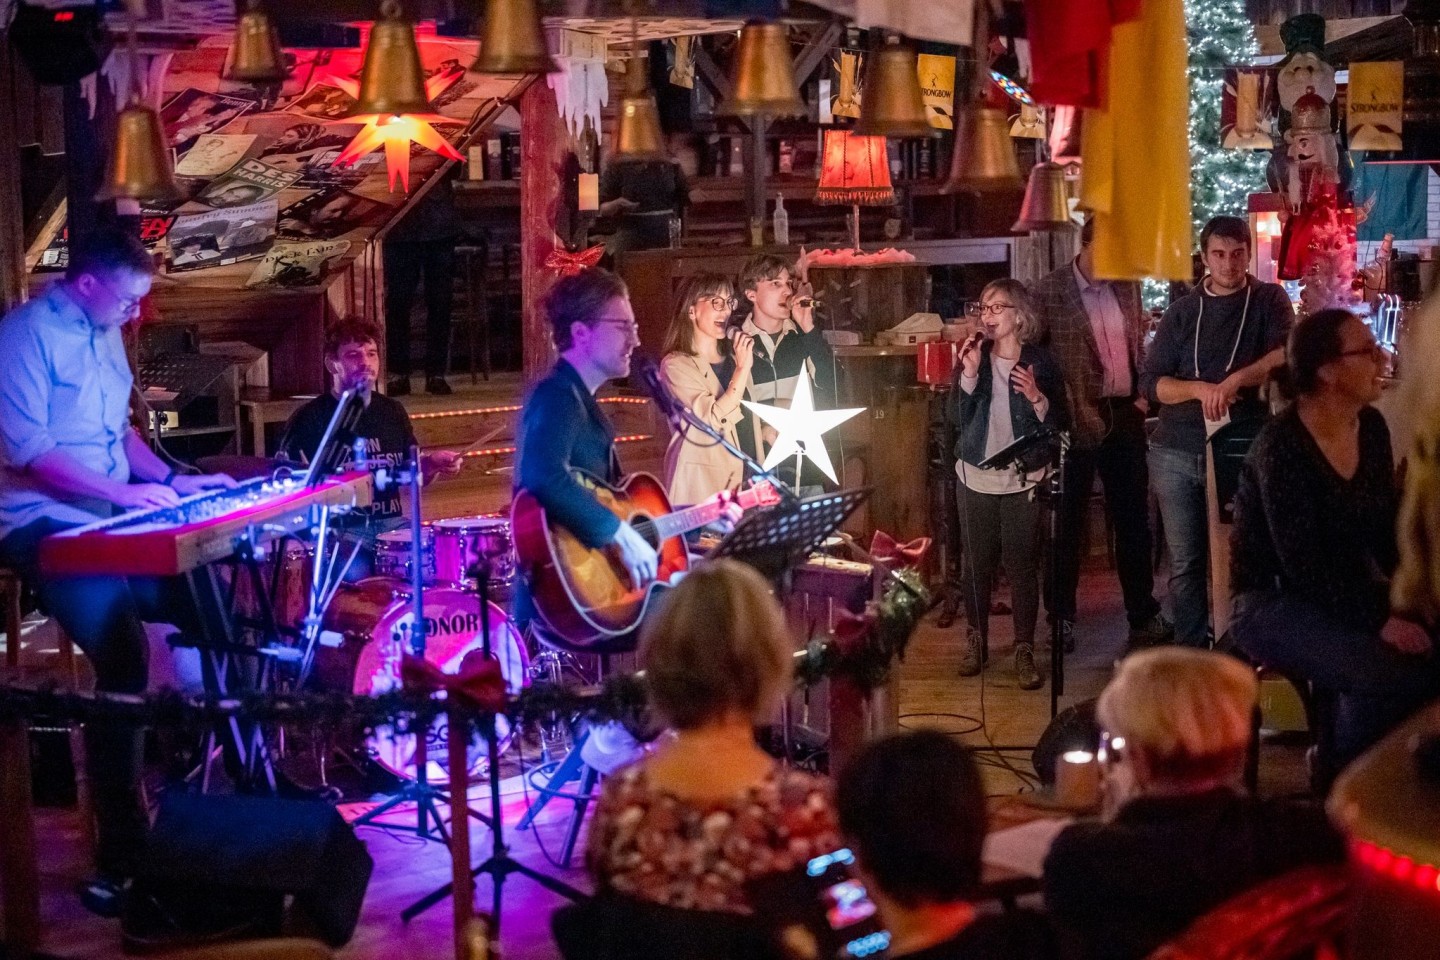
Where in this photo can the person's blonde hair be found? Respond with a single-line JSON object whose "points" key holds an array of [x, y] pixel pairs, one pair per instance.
{"points": [[1189, 712], [718, 642], [1027, 319]]}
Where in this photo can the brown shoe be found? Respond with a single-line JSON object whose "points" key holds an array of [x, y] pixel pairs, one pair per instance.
{"points": [[973, 657], [1026, 674]]}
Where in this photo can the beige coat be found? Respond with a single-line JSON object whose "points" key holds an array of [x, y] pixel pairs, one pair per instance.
{"points": [[695, 466]]}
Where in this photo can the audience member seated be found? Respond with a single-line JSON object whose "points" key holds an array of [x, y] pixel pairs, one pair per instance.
{"points": [[912, 809], [709, 810], [1178, 838], [1314, 544]]}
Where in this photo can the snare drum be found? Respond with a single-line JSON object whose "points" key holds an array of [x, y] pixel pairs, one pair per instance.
{"points": [[366, 631], [393, 554], [461, 541]]}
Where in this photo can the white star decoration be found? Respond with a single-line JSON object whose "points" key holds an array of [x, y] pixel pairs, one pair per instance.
{"points": [[800, 427]]}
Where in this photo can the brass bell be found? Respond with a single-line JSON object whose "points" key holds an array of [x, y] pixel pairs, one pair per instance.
{"points": [[892, 105], [139, 166], [1047, 203], [984, 158], [513, 40], [391, 82], [637, 134], [764, 74], [256, 49]]}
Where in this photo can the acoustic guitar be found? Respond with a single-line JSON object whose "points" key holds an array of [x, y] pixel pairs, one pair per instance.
{"points": [[586, 596]]}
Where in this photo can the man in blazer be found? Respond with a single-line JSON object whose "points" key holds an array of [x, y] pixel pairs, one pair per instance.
{"points": [[1096, 329]]}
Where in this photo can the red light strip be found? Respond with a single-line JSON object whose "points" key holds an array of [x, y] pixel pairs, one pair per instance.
{"points": [[502, 451], [489, 411], [1395, 866]]}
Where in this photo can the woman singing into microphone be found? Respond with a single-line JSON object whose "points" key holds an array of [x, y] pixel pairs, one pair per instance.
{"points": [[707, 371], [1006, 387]]}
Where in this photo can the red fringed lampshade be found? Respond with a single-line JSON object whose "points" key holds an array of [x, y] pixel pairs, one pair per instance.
{"points": [[854, 171]]}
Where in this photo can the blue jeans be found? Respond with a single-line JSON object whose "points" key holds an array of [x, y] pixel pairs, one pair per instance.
{"points": [[1178, 479]]}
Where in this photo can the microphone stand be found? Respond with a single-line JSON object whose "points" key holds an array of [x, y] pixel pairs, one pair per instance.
{"points": [[681, 416]]}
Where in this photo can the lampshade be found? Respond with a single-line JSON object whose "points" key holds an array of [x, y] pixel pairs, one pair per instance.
{"points": [[892, 105], [392, 81], [854, 170], [637, 134], [764, 74], [513, 40], [257, 57], [984, 156], [139, 167], [1047, 203]]}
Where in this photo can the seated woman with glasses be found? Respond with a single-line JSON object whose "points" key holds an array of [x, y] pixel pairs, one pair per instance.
{"points": [[1178, 838], [707, 370], [1314, 546], [1008, 387]]}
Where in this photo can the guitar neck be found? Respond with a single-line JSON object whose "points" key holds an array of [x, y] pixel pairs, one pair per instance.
{"points": [[682, 522]]}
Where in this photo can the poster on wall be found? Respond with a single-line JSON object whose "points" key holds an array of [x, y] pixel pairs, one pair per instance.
{"points": [[213, 154], [290, 265], [1373, 105], [1248, 108], [249, 181], [323, 102], [327, 214], [215, 238], [193, 112], [937, 87]]}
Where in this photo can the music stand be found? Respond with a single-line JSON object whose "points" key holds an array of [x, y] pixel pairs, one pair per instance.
{"points": [[1014, 453], [773, 541], [338, 439]]}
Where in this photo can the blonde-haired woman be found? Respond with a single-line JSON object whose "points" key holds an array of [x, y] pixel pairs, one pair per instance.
{"points": [[1180, 838], [709, 810], [1008, 387], [707, 370]]}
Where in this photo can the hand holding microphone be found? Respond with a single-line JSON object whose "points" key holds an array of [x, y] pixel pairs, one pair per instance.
{"points": [[970, 354]]}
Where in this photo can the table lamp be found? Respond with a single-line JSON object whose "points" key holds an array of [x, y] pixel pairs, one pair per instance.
{"points": [[854, 170]]}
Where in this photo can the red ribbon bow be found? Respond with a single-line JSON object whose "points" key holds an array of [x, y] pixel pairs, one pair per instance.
{"points": [[479, 681], [887, 550], [570, 264]]}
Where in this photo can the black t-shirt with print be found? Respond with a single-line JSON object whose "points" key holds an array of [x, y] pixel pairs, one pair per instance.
{"points": [[385, 425]]}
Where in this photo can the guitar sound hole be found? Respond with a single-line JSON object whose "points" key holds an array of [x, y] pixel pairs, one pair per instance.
{"points": [[646, 528]]}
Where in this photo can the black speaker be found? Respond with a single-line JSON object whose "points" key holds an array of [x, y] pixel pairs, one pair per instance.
{"points": [[60, 45], [1074, 728], [229, 845]]}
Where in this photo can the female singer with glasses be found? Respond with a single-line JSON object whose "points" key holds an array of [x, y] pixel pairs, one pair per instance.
{"points": [[707, 371], [1006, 387]]}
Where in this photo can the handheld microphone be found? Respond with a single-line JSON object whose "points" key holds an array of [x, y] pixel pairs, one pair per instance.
{"points": [[651, 382]]}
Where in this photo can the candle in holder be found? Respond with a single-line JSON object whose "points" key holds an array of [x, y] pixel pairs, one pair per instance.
{"points": [[1077, 780], [589, 191]]}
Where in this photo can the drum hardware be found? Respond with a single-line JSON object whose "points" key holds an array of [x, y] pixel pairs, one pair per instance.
{"points": [[499, 864]]}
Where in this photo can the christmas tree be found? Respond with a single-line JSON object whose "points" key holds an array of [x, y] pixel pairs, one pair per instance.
{"points": [[1220, 179]]}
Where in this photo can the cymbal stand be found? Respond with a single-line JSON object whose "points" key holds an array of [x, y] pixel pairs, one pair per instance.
{"points": [[426, 797], [500, 864]]}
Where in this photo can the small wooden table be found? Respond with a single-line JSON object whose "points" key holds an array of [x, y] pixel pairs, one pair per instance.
{"points": [[258, 409]]}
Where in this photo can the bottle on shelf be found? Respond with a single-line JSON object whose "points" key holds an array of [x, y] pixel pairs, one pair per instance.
{"points": [[782, 222]]}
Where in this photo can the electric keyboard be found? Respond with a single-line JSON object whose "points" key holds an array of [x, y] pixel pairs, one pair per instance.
{"points": [[202, 528]]}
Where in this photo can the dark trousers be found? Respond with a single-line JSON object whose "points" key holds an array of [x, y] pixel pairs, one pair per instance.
{"points": [[1375, 686], [103, 616], [1120, 461], [405, 264], [996, 529]]}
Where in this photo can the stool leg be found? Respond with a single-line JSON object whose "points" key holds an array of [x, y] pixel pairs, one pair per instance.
{"points": [[19, 864], [12, 624], [587, 787]]}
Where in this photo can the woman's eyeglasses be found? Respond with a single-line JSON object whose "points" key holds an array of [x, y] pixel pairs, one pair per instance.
{"points": [[1374, 351], [977, 309], [720, 303]]}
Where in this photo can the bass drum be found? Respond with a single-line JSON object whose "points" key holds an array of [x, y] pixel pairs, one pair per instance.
{"points": [[365, 632]]}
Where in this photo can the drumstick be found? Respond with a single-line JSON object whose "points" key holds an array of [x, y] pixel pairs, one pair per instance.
{"points": [[483, 440]]}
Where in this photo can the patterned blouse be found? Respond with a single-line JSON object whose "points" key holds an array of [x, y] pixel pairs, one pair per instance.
{"points": [[650, 844]]}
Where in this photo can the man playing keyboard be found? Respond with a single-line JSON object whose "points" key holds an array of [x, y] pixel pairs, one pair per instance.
{"points": [[69, 456]]}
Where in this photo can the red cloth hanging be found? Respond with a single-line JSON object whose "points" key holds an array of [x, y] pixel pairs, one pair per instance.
{"points": [[1069, 43]]}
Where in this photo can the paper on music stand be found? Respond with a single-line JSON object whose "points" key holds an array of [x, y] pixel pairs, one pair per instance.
{"points": [[1022, 849]]}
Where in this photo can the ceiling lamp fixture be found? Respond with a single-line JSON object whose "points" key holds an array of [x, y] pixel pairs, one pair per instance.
{"points": [[1047, 203], [394, 102], [637, 134], [255, 51], [764, 74], [139, 168], [984, 158], [513, 40], [892, 104]]}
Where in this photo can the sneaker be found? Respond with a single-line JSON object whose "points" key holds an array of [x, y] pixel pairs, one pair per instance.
{"points": [[397, 387], [1026, 674], [972, 660], [103, 896], [1155, 629], [437, 386]]}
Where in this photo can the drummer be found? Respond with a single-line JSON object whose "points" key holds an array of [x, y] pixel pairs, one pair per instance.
{"points": [[352, 355]]}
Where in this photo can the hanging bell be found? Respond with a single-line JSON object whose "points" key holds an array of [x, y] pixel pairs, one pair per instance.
{"points": [[391, 82], [764, 81], [637, 134], [257, 57], [513, 40], [984, 158], [140, 160], [892, 105], [1047, 202]]}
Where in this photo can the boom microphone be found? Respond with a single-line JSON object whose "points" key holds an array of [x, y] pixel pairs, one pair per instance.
{"points": [[651, 382]]}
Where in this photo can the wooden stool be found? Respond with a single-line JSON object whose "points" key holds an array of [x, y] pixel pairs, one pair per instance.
{"points": [[10, 598]]}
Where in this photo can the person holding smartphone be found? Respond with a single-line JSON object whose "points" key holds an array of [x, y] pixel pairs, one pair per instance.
{"points": [[1007, 387]]}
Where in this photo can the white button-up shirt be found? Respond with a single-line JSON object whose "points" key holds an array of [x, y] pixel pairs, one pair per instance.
{"points": [[1107, 323]]}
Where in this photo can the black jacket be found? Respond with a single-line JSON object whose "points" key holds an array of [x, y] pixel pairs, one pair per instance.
{"points": [[972, 410]]}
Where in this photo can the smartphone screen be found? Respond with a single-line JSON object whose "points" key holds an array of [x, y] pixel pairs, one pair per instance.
{"points": [[828, 901]]}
